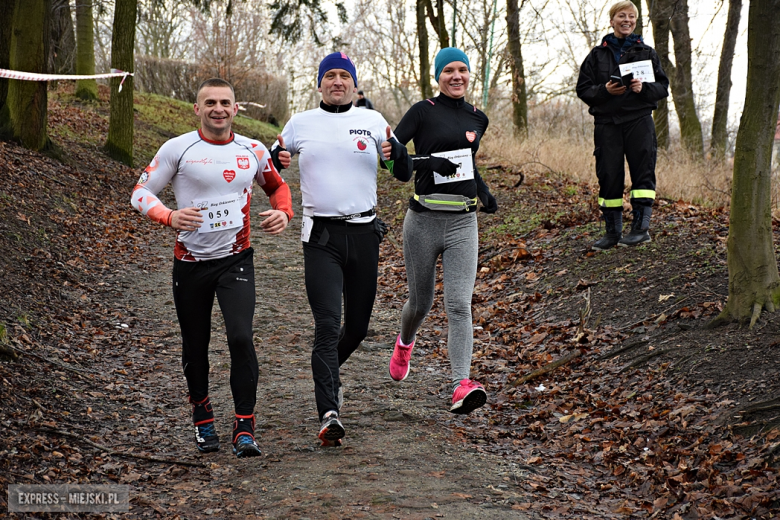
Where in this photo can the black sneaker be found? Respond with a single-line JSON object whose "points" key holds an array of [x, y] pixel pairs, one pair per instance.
{"points": [[206, 437], [331, 429], [245, 446]]}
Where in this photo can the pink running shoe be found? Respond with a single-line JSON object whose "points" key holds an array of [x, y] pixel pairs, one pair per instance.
{"points": [[469, 396], [399, 363]]}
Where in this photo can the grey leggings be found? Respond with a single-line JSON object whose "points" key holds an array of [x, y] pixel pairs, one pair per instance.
{"points": [[453, 236]]}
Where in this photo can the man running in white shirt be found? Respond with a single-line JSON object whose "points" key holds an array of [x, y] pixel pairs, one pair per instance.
{"points": [[212, 171], [339, 146]]}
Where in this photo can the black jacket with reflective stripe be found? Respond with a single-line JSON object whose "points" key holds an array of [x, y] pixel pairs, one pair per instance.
{"points": [[595, 73]]}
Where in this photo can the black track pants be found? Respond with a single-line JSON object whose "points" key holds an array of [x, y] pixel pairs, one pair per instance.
{"points": [[637, 142], [339, 261], [195, 284]]}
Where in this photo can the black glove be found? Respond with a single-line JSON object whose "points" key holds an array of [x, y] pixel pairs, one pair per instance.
{"points": [[275, 157], [398, 150], [380, 228], [442, 166], [489, 204]]}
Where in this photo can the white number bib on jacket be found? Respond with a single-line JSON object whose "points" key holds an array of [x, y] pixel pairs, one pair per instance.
{"points": [[220, 213], [460, 157]]}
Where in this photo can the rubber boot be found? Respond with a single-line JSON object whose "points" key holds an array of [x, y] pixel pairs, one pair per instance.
{"points": [[640, 227], [613, 220]]}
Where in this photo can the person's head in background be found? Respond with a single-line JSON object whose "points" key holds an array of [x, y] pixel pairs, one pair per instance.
{"points": [[337, 79], [622, 18]]}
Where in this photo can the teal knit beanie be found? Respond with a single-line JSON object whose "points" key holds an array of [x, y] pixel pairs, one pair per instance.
{"points": [[446, 56]]}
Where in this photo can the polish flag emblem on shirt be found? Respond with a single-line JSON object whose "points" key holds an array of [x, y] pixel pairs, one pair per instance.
{"points": [[243, 162], [471, 136], [229, 175]]}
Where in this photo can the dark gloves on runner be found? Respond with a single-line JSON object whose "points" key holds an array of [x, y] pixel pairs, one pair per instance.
{"points": [[275, 157], [398, 150], [440, 165], [380, 228], [489, 204]]}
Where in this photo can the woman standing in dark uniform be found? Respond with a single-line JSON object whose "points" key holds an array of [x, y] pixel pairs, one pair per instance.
{"points": [[442, 221], [624, 124]]}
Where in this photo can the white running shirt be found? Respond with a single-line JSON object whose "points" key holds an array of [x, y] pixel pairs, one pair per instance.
{"points": [[199, 169], [338, 163]]}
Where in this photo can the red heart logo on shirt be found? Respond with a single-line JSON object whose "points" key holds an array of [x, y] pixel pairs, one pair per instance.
{"points": [[471, 136], [229, 175]]}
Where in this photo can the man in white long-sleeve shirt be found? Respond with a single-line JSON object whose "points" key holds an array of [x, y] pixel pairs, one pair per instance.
{"points": [[339, 147], [212, 171]]}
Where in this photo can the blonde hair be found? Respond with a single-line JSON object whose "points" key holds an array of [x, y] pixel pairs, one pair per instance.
{"points": [[622, 6]]}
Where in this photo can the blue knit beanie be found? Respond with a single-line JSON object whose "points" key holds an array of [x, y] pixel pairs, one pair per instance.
{"points": [[337, 60], [446, 56]]}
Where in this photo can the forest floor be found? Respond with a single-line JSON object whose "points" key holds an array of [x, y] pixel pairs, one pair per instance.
{"points": [[653, 416]]}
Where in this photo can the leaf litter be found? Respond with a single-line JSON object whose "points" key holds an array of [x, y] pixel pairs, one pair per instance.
{"points": [[651, 419]]}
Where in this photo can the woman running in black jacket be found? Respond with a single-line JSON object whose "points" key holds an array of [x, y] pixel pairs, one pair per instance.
{"points": [[442, 221]]}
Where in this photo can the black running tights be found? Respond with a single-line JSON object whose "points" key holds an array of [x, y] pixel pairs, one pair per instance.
{"points": [[195, 284]]}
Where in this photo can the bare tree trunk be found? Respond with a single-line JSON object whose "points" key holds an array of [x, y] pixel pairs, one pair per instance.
{"points": [[723, 92], [682, 86], [639, 25], [660, 12], [6, 13], [438, 22], [27, 101], [444, 37], [425, 65], [120, 127], [519, 97], [754, 283], [85, 51], [63, 40]]}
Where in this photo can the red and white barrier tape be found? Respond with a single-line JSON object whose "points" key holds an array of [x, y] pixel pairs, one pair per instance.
{"points": [[33, 76]]}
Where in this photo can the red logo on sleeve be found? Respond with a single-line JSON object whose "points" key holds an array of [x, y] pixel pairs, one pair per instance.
{"points": [[153, 166], [243, 162], [229, 175], [471, 136]]}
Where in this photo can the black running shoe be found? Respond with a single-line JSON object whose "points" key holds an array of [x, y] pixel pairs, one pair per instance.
{"points": [[245, 446], [206, 437], [331, 429]]}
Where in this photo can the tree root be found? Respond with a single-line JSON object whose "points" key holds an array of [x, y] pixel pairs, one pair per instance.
{"points": [[616, 352], [642, 360], [9, 353], [55, 363], [763, 406], [120, 453], [756, 313], [721, 319], [549, 367], [753, 428]]}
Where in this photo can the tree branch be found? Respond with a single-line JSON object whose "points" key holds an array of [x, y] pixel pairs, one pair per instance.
{"points": [[549, 367], [119, 453]]}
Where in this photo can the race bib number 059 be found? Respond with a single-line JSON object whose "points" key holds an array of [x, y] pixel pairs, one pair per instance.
{"points": [[220, 213]]}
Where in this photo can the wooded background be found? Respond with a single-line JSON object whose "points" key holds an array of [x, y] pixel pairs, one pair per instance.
{"points": [[270, 52]]}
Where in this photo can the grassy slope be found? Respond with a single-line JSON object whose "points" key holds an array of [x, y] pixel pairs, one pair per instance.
{"points": [[157, 119]]}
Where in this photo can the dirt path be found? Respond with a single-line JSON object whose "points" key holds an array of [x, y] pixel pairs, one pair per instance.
{"points": [[402, 457]]}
